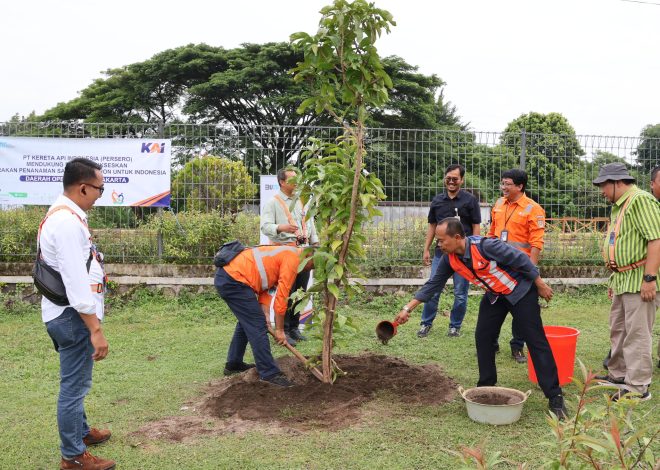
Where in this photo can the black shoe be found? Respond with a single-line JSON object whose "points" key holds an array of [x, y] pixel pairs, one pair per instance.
{"points": [[424, 331], [278, 379], [606, 361], [454, 332], [609, 378], [556, 405], [237, 368], [290, 340], [621, 393], [519, 356], [295, 335]]}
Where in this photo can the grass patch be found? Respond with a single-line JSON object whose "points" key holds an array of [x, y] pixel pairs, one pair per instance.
{"points": [[163, 351]]}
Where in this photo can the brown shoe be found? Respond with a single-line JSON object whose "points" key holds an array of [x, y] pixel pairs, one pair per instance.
{"points": [[96, 436], [87, 461]]}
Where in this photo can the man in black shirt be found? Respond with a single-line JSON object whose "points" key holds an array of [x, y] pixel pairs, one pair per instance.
{"points": [[454, 202]]}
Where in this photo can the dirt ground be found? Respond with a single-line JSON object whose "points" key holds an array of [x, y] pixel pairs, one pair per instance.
{"points": [[241, 403]]}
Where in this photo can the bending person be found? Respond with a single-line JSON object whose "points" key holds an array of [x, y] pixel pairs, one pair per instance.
{"points": [[244, 283], [512, 284]]}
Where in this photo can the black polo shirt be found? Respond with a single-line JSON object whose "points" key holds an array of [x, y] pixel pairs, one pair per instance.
{"points": [[442, 206]]}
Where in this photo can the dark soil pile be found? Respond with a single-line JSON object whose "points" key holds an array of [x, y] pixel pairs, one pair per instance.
{"points": [[243, 402]]}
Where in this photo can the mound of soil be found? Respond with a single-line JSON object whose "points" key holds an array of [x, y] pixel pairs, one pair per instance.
{"points": [[242, 402]]}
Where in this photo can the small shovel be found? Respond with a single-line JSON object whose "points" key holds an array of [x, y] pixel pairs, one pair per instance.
{"points": [[317, 373], [386, 330]]}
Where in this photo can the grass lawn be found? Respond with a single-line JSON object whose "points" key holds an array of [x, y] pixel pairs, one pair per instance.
{"points": [[163, 351]]}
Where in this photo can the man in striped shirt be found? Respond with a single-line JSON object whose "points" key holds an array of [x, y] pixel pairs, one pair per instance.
{"points": [[632, 252], [655, 190]]}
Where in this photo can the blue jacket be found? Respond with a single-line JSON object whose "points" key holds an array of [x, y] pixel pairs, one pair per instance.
{"points": [[516, 263]]}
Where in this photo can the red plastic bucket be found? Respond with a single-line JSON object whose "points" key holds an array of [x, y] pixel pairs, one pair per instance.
{"points": [[563, 341]]}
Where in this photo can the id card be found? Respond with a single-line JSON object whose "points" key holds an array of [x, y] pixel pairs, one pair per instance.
{"points": [[504, 236]]}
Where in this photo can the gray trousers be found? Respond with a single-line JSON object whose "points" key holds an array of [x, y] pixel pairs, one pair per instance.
{"points": [[631, 339]]}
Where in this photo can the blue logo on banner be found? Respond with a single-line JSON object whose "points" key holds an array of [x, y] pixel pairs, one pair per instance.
{"points": [[149, 147]]}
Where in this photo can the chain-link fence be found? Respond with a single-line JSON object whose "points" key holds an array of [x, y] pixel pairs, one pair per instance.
{"points": [[218, 198]]}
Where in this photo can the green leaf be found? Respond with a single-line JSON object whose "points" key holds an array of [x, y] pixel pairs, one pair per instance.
{"points": [[334, 290]]}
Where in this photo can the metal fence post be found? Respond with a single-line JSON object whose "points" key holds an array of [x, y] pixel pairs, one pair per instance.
{"points": [[523, 148], [159, 241]]}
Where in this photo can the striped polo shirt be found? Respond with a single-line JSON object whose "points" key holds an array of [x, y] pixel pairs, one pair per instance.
{"points": [[641, 224]]}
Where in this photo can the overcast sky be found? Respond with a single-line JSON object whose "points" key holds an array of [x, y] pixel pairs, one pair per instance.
{"points": [[595, 61]]}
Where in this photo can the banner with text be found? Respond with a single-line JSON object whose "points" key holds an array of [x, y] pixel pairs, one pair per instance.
{"points": [[136, 172]]}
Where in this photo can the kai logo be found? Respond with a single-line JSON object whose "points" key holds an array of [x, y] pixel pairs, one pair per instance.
{"points": [[153, 147]]}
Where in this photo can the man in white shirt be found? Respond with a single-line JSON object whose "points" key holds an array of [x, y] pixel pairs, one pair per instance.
{"points": [[284, 223], [65, 245]]}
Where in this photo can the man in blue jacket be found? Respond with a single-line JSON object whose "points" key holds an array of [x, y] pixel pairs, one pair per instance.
{"points": [[512, 284]]}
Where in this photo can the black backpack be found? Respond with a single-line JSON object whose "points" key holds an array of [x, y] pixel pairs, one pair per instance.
{"points": [[228, 252]]}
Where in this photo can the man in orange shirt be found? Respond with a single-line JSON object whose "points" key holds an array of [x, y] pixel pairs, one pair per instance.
{"points": [[519, 221], [244, 284]]}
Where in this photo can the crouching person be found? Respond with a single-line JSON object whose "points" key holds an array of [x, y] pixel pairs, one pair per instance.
{"points": [[244, 283], [512, 284]]}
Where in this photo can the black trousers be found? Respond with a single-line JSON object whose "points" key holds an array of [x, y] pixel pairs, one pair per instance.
{"points": [[517, 342], [527, 315], [291, 320]]}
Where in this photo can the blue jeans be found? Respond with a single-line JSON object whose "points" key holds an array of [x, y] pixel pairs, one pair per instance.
{"points": [[72, 341], [251, 327], [461, 286]]}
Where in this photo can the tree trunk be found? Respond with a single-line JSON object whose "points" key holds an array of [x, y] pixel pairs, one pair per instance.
{"points": [[330, 299], [331, 305]]}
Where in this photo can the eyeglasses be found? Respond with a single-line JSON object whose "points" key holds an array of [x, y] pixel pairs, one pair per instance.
{"points": [[505, 185], [452, 179], [100, 188]]}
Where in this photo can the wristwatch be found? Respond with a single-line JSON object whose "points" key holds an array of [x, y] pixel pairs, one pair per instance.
{"points": [[650, 278], [405, 308]]}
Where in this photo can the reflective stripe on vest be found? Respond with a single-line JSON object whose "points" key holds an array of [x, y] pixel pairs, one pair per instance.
{"points": [[259, 261], [519, 244], [486, 274]]}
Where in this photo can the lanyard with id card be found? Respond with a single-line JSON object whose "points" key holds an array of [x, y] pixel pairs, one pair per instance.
{"points": [[504, 235]]}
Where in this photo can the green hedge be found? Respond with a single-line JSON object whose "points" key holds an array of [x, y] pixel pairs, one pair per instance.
{"points": [[193, 237], [18, 233]]}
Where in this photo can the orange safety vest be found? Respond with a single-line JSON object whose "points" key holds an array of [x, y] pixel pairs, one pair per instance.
{"points": [[264, 267], [524, 221], [485, 273], [609, 249]]}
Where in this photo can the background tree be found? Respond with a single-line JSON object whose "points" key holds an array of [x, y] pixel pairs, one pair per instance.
{"points": [[212, 183], [251, 90], [143, 92], [648, 150], [549, 135], [552, 159], [343, 68]]}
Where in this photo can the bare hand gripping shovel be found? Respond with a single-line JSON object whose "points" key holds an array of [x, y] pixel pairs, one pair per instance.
{"points": [[296, 353]]}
